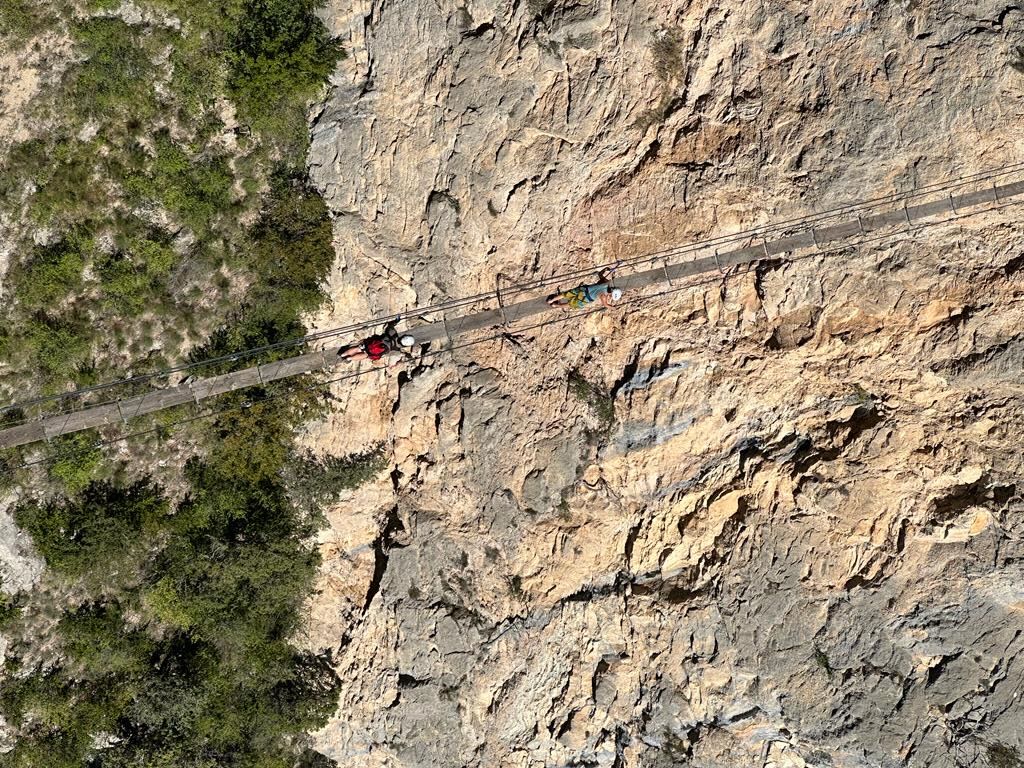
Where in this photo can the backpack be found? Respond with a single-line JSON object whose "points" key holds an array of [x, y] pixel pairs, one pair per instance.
{"points": [[376, 348]]}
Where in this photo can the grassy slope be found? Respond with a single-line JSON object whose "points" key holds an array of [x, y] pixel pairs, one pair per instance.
{"points": [[160, 633]]}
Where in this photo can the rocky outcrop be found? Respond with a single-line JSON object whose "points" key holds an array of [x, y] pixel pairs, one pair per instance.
{"points": [[799, 543]]}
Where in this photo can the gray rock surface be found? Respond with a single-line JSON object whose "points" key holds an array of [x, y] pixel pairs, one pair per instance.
{"points": [[801, 544]]}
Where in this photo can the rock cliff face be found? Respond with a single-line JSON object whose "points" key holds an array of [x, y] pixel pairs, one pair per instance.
{"points": [[799, 541]]}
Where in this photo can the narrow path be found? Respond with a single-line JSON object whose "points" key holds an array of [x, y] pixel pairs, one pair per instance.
{"points": [[447, 329]]}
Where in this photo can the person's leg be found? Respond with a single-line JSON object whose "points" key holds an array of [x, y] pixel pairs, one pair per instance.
{"points": [[354, 353], [558, 300]]}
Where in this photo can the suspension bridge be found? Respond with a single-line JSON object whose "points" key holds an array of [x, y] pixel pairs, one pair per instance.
{"points": [[503, 308]]}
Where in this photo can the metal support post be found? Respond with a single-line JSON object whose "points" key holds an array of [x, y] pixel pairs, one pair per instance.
{"points": [[447, 332], [501, 304], [995, 192], [952, 205], [860, 223], [764, 245], [718, 263], [664, 268]]}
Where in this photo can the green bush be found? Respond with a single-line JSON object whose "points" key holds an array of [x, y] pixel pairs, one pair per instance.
{"points": [[70, 188], [291, 251], [99, 645], [600, 401], [52, 272], [125, 286], [97, 530], [9, 608], [19, 19], [61, 171], [115, 82], [75, 461], [135, 279], [315, 482], [281, 56], [60, 345], [197, 190]]}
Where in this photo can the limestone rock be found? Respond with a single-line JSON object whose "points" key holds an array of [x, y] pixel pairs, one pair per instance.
{"points": [[800, 542]]}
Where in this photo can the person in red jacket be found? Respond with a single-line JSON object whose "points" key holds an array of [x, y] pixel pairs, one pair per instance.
{"points": [[375, 348]]}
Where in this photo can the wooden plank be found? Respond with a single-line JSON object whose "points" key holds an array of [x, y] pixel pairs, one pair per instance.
{"points": [[76, 421], [791, 243], [22, 434], [226, 382]]}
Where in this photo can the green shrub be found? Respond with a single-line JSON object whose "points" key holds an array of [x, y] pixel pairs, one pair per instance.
{"points": [[59, 345], [600, 401], [135, 279], [9, 608], [115, 82], [75, 461], [197, 190], [97, 530], [25, 160], [281, 56], [52, 272], [822, 660], [65, 174], [19, 19], [99, 645], [291, 251], [313, 483], [125, 286]]}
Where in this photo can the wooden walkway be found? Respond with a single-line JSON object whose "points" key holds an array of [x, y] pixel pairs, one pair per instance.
{"points": [[447, 329]]}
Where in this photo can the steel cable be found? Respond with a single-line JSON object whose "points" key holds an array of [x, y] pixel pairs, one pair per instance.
{"points": [[494, 337], [514, 289]]}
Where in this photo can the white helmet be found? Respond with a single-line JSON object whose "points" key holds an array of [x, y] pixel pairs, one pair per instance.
{"points": [[407, 341], [616, 294]]}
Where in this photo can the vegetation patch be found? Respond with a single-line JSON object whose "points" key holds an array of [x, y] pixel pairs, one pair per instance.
{"points": [[600, 401], [19, 19], [821, 659], [167, 200], [667, 52], [159, 144], [179, 652], [315, 482], [1003, 756]]}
